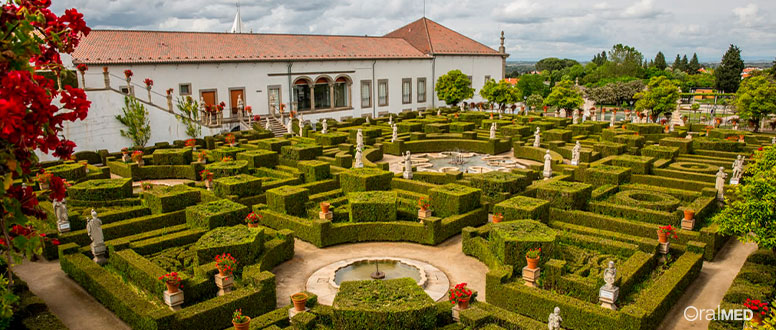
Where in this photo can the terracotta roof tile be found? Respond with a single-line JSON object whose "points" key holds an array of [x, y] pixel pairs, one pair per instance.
{"points": [[126, 46], [433, 38]]}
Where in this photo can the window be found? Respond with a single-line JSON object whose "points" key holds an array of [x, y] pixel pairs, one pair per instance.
{"points": [[471, 80], [406, 91], [184, 89], [366, 93], [421, 90], [124, 90], [322, 94], [382, 92], [487, 78], [302, 95], [341, 97]]}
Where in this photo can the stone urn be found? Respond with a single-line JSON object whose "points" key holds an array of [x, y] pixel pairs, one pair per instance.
{"points": [[533, 263]]}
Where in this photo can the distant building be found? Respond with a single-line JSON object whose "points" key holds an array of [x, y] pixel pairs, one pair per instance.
{"points": [[748, 72], [512, 81], [316, 75]]}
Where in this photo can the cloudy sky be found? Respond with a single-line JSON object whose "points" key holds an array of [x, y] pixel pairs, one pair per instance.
{"points": [[534, 29]]}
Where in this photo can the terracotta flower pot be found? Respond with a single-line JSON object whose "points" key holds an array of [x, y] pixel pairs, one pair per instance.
{"points": [[662, 237], [533, 263], [172, 287], [498, 218], [689, 214], [325, 207], [221, 272], [464, 303], [299, 300], [253, 225], [242, 326], [757, 318]]}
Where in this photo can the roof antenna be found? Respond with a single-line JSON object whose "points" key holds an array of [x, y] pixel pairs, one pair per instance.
{"points": [[424, 8]]}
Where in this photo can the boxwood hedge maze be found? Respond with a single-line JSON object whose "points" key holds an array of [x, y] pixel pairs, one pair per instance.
{"points": [[234, 211]]}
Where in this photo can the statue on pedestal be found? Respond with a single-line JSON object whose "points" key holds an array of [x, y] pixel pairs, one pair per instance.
{"points": [[738, 170], [325, 125], [610, 275], [537, 138], [94, 230], [267, 125], [720, 184], [547, 164], [407, 165], [301, 126], [358, 163], [60, 209], [493, 131], [553, 322], [575, 153], [360, 138], [394, 133]]}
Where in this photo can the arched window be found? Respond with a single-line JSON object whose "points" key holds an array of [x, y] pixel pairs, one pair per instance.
{"points": [[322, 93], [302, 94]]}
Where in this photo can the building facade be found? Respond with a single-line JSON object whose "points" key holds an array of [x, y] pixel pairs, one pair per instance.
{"points": [[315, 75]]}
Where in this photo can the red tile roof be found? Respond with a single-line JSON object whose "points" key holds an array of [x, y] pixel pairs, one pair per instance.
{"points": [[127, 47], [432, 38]]}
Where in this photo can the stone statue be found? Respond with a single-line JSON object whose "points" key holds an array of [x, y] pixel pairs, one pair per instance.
{"points": [[394, 133], [612, 119], [646, 116], [738, 170], [563, 113], [367, 121], [407, 165], [553, 322], [358, 156], [547, 164], [493, 131], [290, 127], [688, 136], [720, 184], [575, 153], [325, 125], [301, 127], [627, 115], [94, 230], [537, 138], [60, 210], [360, 138], [267, 125], [461, 105], [439, 112], [735, 126], [390, 119], [610, 274], [575, 117]]}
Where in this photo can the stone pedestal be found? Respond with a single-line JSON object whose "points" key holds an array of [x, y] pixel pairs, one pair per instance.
{"points": [[663, 248], [688, 224], [63, 226], [608, 297], [326, 216], [531, 275], [292, 312], [424, 214], [99, 251], [574, 162], [733, 181], [457, 313], [174, 300], [225, 284]]}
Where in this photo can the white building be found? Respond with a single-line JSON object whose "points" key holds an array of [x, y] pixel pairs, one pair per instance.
{"points": [[318, 76]]}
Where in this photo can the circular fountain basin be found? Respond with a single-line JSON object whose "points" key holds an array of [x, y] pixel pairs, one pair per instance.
{"points": [[325, 282]]}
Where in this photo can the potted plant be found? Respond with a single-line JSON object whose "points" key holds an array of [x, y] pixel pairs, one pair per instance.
{"points": [[128, 73], [201, 156], [689, 214], [172, 281], [424, 203], [532, 257], [227, 159], [240, 321], [229, 139], [225, 264], [207, 176], [146, 186], [137, 157], [460, 295], [498, 217], [125, 155], [759, 309], [666, 232], [325, 207], [44, 179], [191, 143], [85, 164], [300, 300], [253, 220]]}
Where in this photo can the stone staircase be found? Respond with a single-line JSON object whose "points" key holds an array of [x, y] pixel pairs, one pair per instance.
{"points": [[275, 126]]}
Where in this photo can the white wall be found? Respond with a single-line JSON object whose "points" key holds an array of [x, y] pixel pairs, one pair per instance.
{"points": [[476, 66]]}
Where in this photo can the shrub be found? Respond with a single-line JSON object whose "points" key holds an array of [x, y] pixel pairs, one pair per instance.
{"points": [[557, 135], [69, 172], [522, 207], [163, 199], [493, 183], [243, 243], [660, 152], [240, 185], [652, 200], [314, 170], [180, 156], [223, 169], [365, 179], [218, 213], [101, 190], [259, 158], [638, 164], [288, 200], [510, 241], [565, 195], [389, 304], [453, 199], [607, 174], [684, 145], [371, 206]]}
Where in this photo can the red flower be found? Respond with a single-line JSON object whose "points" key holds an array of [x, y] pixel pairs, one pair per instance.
{"points": [[148, 82], [128, 73], [82, 67]]}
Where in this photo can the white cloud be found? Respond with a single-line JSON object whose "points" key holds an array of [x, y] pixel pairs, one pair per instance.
{"points": [[747, 15]]}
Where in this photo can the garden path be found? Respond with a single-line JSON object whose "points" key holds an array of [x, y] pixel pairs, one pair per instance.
{"points": [[65, 298], [711, 285]]}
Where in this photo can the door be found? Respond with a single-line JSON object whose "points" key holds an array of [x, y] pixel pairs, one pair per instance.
{"points": [[209, 97], [234, 95], [274, 99]]}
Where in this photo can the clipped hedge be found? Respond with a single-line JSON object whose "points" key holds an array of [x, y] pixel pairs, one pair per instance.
{"points": [[163, 199], [214, 214], [388, 304], [172, 156], [241, 185], [565, 194], [365, 179], [101, 190], [522, 207], [288, 199], [453, 199], [368, 206]]}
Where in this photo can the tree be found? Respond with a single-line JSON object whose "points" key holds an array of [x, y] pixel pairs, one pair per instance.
{"points": [[552, 65], [684, 64], [135, 118], [694, 65], [33, 37], [660, 61], [661, 96], [750, 214], [599, 59], [564, 96], [756, 98], [677, 65], [189, 116], [454, 87], [601, 95], [624, 61], [534, 101], [531, 84], [501, 93], [728, 74]]}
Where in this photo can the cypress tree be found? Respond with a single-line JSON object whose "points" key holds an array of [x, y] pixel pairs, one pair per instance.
{"points": [[728, 74], [677, 63], [685, 64], [694, 65], [660, 61]]}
